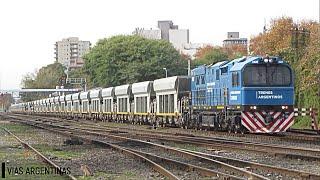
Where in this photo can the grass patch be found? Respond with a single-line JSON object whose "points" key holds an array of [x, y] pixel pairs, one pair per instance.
{"points": [[302, 123], [59, 153], [17, 128], [103, 175]]}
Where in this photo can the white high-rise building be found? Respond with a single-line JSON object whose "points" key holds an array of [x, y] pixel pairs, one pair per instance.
{"points": [[69, 52], [167, 31]]}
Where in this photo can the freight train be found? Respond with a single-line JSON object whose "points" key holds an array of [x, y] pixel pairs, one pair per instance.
{"points": [[253, 94]]}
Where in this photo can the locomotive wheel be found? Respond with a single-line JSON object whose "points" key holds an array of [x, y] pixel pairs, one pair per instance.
{"points": [[242, 129]]}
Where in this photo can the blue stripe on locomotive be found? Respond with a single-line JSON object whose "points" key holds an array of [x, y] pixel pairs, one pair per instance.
{"points": [[212, 85]]}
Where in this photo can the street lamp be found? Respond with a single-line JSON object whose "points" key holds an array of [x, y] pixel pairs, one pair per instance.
{"points": [[166, 71]]}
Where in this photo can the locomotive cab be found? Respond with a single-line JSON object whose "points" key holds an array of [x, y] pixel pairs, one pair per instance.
{"points": [[265, 92]]}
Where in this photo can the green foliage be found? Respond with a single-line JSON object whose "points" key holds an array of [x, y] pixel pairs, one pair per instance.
{"points": [[211, 56], [127, 59], [47, 77]]}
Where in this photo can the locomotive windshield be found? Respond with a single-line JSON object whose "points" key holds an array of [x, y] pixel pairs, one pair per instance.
{"points": [[263, 75]]}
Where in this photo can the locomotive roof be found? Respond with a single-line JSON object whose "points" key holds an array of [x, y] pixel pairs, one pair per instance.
{"points": [[239, 65], [218, 64], [253, 60], [233, 62]]}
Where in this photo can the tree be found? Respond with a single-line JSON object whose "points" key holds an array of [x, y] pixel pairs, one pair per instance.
{"points": [[276, 41], [47, 77], [209, 55], [235, 51], [298, 44], [128, 59]]}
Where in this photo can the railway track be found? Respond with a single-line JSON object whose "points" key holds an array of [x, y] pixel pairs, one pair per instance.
{"points": [[308, 137], [304, 131], [210, 142], [74, 132], [38, 153], [254, 167]]}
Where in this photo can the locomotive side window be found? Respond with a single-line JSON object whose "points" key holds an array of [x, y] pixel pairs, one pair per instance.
{"points": [[235, 79], [197, 80], [203, 80], [217, 74], [224, 70], [262, 75]]}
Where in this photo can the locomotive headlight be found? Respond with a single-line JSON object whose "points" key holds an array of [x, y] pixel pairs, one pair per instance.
{"points": [[265, 60], [284, 107], [253, 107], [270, 60]]}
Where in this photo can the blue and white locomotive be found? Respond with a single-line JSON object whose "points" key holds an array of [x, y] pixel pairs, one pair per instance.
{"points": [[250, 93]]}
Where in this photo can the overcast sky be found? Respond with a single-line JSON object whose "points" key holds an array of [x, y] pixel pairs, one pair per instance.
{"points": [[29, 28]]}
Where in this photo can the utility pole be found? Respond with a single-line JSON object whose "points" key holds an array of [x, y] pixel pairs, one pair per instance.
{"points": [[166, 71], [189, 66]]}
